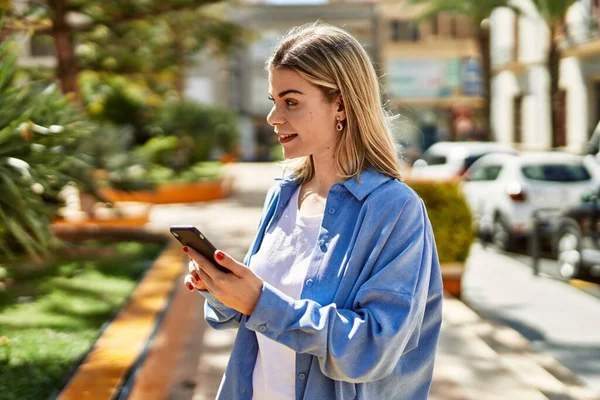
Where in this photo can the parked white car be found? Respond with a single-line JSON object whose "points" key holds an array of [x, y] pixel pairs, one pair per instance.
{"points": [[446, 160], [504, 190]]}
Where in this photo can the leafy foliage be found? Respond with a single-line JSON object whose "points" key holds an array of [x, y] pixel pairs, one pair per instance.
{"points": [[553, 11], [140, 40], [450, 218], [109, 153], [188, 133], [40, 135], [475, 10]]}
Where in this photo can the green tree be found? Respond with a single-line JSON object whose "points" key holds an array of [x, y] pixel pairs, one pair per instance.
{"points": [[124, 36], [476, 11], [553, 12]]}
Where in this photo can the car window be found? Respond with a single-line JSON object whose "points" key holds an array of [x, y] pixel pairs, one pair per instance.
{"points": [[471, 159], [556, 172], [474, 157], [493, 171], [434, 159], [487, 173]]}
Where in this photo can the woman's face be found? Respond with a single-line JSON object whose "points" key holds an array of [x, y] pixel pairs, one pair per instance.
{"points": [[301, 116]]}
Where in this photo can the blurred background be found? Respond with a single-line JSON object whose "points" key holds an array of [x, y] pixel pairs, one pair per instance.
{"points": [[121, 117]]}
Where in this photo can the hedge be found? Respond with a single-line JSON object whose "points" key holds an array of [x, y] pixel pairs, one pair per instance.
{"points": [[450, 217]]}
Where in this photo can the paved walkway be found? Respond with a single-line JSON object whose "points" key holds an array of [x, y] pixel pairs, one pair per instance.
{"points": [[476, 359], [557, 318]]}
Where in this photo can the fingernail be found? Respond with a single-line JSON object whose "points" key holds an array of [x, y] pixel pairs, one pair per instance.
{"points": [[220, 255], [190, 286], [195, 275], [185, 249]]}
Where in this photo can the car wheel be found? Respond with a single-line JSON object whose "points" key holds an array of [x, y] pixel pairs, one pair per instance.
{"points": [[568, 251], [501, 235]]}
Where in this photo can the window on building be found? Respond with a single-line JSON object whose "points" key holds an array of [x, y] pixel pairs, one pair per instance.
{"points": [[464, 27], [453, 31], [596, 107], [41, 45], [434, 25], [404, 31], [444, 25], [517, 118]]}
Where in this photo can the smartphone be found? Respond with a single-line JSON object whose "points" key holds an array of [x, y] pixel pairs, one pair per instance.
{"points": [[190, 236]]}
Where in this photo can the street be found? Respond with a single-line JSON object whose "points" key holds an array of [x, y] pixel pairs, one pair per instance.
{"points": [[557, 318]]}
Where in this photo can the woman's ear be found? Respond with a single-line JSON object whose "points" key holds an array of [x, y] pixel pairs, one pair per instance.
{"points": [[341, 110]]}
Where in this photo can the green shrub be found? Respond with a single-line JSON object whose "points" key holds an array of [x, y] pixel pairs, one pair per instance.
{"points": [[207, 170], [109, 150], [40, 137], [450, 218], [119, 101], [201, 131]]}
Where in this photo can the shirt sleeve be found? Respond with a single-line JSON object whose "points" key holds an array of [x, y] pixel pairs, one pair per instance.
{"points": [[362, 343], [217, 314]]}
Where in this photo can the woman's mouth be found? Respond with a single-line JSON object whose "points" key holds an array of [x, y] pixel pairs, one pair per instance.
{"points": [[286, 138]]}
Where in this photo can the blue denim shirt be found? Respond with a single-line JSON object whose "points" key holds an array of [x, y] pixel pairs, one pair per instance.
{"points": [[368, 321]]}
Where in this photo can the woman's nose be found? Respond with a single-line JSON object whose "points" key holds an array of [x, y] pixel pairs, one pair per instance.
{"points": [[275, 118]]}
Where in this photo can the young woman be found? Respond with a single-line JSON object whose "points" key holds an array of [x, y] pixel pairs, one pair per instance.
{"points": [[340, 295]]}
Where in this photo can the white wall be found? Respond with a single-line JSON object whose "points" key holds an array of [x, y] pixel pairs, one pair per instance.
{"points": [[536, 119], [571, 78], [502, 36], [504, 88], [532, 79]]}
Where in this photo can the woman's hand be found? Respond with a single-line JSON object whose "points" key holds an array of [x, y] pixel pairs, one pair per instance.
{"points": [[239, 289], [192, 280]]}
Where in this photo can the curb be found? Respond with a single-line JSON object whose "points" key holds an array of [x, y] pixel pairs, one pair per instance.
{"points": [[110, 365]]}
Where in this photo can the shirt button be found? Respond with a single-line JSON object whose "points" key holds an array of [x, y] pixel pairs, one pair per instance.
{"points": [[309, 282], [332, 211], [262, 328], [302, 377]]}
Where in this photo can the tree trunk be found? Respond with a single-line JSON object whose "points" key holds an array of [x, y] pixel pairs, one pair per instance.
{"points": [[67, 70], [483, 43], [557, 98]]}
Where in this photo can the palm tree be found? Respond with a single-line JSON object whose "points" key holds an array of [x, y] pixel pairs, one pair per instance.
{"points": [[553, 12], [477, 11]]}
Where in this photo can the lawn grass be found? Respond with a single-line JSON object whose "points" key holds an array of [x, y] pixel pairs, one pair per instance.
{"points": [[51, 316]]}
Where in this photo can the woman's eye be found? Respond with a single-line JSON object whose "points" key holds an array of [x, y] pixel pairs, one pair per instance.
{"points": [[289, 102]]}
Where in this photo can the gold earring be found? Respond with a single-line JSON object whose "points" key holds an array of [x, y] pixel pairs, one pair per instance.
{"points": [[339, 125]]}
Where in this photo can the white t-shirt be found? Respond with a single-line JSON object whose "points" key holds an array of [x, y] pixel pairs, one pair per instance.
{"points": [[282, 261]]}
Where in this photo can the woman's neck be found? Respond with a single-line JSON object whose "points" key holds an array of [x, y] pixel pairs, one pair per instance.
{"points": [[325, 176]]}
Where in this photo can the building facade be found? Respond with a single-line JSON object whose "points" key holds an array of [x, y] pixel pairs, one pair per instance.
{"points": [[521, 112], [426, 68], [431, 70], [267, 21]]}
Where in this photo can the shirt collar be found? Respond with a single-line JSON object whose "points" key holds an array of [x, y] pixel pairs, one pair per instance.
{"points": [[370, 179]]}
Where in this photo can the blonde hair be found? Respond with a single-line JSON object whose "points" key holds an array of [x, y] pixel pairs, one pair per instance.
{"points": [[334, 61]]}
